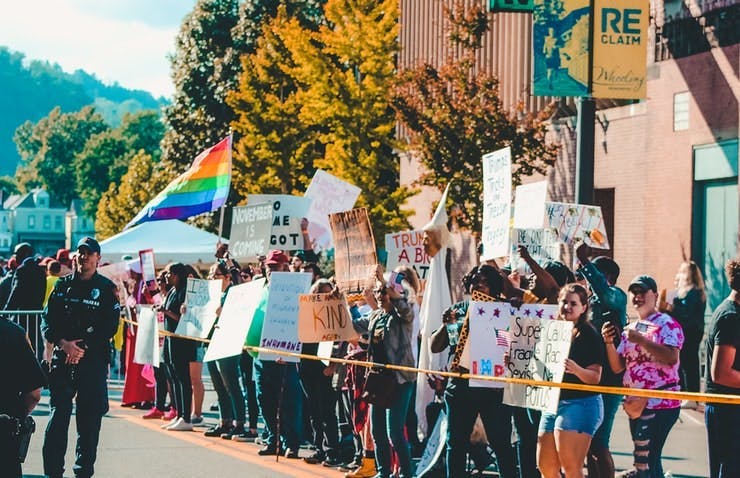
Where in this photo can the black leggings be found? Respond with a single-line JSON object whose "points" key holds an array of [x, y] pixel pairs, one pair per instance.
{"points": [[181, 353]]}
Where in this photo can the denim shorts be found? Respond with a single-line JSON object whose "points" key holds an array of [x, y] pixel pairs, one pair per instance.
{"points": [[582, 415]]}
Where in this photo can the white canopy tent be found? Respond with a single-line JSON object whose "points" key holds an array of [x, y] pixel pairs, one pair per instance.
{"points": [[171, 240]]}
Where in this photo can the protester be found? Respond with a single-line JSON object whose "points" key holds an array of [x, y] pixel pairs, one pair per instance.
{"points": [[81, 318], [63, 258], [7, 281], [648, 353], [162, 386], [565, 436], [723, 376], [53, 270], [27, 290], [688, 309], [608, 304], [196, 368]]}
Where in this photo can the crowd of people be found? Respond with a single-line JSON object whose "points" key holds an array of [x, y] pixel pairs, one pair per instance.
{"points": [[367, 433]]}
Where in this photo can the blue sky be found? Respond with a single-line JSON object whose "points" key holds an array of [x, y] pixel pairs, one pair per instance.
{"points": [[118, 40]]}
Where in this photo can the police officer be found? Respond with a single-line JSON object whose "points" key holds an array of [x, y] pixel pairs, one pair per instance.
{"points": [[81, 317], [21, 379]]}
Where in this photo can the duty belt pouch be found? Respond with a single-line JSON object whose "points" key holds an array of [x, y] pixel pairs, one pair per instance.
{"points": [[27, 428]]}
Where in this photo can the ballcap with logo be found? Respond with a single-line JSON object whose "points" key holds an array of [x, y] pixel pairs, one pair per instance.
{"points": [[90, 244]]}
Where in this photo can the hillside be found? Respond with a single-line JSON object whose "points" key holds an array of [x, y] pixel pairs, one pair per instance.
{"points": [[29, 90]]}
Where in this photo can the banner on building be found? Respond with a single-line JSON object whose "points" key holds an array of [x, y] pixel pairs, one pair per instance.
{"points": [[496, 203], [324, 317], [488, 341], [286, 222], [539, 348], [577, 222], [329, 195], [406, 248], [355, 257], [542, 245], [202, 300], [147, 336], [529, 205], [620, 49], [251, 228], [280, 328], [560, 47]]}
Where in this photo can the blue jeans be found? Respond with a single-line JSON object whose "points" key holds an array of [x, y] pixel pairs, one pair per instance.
{"points": [[225, 377], [723, 433], [271, 379], [387, 430], [649, 433]]}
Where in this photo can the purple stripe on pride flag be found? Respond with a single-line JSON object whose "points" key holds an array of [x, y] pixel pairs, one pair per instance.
{"points": [[192, 198], [179, 212]]}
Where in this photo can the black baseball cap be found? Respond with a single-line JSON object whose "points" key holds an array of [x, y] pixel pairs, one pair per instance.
{"points": [[89, 243], [644, 283]]}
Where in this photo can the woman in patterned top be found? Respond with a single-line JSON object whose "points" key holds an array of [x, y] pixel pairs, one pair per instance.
{"points": [[649, 355]]}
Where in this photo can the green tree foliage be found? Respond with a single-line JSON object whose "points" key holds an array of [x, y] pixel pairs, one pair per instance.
{"points": [[8, 185], [455, 116]]}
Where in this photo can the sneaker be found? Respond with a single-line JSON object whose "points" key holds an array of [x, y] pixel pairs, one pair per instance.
{"points": [[196, 419], [246, 435], [291, 453], [366, 470], [351, 466], [229, 434], [172, 414], [153, 414], [213, 407], [180, 426], [332, 463], [268, 451], [170, 423], [633, 473], [315, 458], [216, 431]]}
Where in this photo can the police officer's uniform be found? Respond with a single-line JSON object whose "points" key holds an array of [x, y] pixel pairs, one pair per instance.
{"points": [[20, 373], [88, 310]]}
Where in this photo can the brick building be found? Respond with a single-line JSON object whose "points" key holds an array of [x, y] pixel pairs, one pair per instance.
{"points": [[666, 168]]}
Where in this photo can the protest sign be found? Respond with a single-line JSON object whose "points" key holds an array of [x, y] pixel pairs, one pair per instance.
{"points": [[577, 222], [147, 336], [250, 231], [233, 324], [542, 245], [355, 257], [324, 351], [202, 300], [496, 204], [406, 248], [529, 205], [488, 340], [148, 273], [329, 195], [286, 221], [280, 328], [539, 347], [324, 317]]}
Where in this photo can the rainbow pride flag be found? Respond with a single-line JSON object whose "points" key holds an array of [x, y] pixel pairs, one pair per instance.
{"points": [[202, 188]]}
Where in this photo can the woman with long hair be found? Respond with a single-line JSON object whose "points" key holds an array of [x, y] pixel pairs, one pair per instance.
{"points": [[565, 436]]}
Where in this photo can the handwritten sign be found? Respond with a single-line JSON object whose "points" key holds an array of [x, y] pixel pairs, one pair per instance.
{"points": [[529, 205], [329, 195], [322, 317], [496, 203], [250, 231], [280, 328], [202, 300], [354, 248], [148, 272], [542, 244], [488, 340], [406, 248], [539, 347], [236, 317], [577, 222], [286, 221], [147, 337]]}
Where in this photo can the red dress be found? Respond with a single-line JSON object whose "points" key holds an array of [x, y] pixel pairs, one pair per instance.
{"points": [[136, 387]]}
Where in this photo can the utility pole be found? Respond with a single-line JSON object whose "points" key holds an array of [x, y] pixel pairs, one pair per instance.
{"points": [[585, 127]]}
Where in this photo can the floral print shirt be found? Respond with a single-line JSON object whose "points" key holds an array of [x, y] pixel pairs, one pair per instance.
{"points": [[642, 371]]}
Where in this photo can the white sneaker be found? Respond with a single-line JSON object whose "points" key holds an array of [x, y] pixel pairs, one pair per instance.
{"points": [[170, 423], [181, 426]]}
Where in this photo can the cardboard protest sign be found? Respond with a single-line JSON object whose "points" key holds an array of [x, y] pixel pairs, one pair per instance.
{"points": [[233, 324], [329, 195], [323, 317], [542, 244], [355, 257], [251, 228], [406, 248], [147, 337], [577, 222], [286, 220], [496, 203], [539, 347], [280, 328], [529, 205], [148, 272], [488, 340], [324, 351], [202, 300]]}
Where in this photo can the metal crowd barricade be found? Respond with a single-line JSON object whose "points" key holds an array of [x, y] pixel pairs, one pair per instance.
{"points": [[30, 321]]}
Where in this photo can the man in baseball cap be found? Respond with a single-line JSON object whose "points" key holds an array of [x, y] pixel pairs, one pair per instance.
{"points": [[643, 283], [90, 243]]}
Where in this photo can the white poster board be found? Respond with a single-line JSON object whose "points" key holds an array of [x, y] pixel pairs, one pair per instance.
{"points": [[147, 336], [542, 244], [148, 271], [529, 205], [280, 329], [488, 340], [496, 204], [230, 333], [577, 222], [539, 347], [406, 248], [329, 195], [202, 300], [323, 317], [287, 214]]}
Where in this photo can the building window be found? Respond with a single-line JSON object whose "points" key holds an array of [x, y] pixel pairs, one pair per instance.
{"points": [[58, 223], [47, 223], [681, 111], [32, 222]]}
